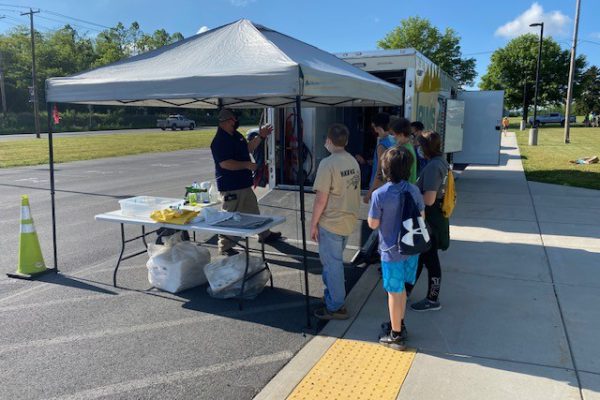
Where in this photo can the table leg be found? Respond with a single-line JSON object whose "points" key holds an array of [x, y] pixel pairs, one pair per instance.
{"points": [[124, 243], [262, 251], [120, 255], [241, 300], [144, 236]]}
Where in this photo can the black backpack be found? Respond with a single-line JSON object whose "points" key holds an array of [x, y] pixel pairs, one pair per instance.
{"points": [[414, 235]]}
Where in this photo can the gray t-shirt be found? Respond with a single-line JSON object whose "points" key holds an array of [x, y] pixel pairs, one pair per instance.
{"points": [[433, 177]]}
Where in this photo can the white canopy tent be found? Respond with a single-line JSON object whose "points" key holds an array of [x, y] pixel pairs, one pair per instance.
{"points": [[239, 65], [242, 64]]}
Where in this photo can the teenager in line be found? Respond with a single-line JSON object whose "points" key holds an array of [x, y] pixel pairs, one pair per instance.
{"points": [[431, 183], [385, 214]]}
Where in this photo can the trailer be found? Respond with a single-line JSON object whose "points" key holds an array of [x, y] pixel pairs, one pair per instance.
{"points": [[430, 96], [469, 123]]}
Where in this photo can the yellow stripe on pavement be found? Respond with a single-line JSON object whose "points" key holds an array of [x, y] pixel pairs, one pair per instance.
{"points": [[356, 370]]}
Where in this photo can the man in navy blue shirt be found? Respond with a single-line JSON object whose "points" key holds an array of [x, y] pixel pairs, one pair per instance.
{"points": [[233, 170]]}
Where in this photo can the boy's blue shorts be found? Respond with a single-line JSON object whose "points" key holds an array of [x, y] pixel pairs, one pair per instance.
{"points": [[397, 273]]}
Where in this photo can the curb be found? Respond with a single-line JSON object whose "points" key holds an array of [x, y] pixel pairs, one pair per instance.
{"points": [[282, 384]]}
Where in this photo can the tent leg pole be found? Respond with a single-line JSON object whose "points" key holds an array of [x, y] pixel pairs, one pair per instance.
{"points": [[302, 211], [49, 107]]}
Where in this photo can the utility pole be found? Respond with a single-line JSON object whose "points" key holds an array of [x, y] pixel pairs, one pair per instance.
{"points": [[33, 75], [2, 89], [571, 76]]}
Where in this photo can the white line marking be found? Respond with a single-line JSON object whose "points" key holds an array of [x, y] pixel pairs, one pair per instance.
{"points": [[140, 328], [173, 377], [19, 307]]}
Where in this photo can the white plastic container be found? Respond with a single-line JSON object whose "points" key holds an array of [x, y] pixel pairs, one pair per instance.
{"points": [[144, 205]]}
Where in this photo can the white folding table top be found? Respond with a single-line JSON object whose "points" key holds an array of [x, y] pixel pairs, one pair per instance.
{"points": [[118, 217]]}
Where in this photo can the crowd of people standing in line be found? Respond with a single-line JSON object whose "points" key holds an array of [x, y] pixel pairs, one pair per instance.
{"points": [[409, 171], [407, 160]]}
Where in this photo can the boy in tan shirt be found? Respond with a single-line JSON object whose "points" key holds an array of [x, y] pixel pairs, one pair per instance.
{"points": [[335, 212]]}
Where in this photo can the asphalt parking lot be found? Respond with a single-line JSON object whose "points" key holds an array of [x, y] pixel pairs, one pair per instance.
{"points": [[75, 336]]}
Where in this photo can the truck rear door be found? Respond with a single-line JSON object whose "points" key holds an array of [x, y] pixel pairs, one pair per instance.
{"points": [[481, 134]]}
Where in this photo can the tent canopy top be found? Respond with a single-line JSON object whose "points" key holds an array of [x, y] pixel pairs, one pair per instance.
{"points": [[239, 65]]}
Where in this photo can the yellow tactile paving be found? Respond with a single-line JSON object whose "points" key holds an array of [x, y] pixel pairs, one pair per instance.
{"points": [[355, 370]]}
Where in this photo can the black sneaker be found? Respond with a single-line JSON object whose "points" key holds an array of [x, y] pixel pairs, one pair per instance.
{"points": [[426, 305], [386, 328], [394, 342]]}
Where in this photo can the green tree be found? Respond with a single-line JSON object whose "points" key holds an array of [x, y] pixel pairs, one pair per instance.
{"points": [[441, 48], [159, 38], [589, 99], [111, 45], [15, 47], [512, 69], [64, 52]]}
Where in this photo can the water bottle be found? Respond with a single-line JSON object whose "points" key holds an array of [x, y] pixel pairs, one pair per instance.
{"points": [[204, 192]]}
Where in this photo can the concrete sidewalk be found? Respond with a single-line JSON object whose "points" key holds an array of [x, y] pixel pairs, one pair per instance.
{"points": [[520, 296]]}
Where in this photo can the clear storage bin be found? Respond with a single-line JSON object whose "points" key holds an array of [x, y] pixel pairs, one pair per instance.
{"points": [[144, 205]]}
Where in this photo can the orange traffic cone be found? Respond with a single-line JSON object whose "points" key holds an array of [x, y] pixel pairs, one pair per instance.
{"points": [[31, 262]]}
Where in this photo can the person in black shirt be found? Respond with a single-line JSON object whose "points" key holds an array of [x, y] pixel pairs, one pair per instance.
{"points": [[233, 171]]}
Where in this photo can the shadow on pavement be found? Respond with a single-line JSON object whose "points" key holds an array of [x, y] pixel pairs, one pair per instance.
{"points": [[76, 283]]}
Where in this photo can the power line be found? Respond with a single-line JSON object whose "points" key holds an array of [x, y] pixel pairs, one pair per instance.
{"points": [[15, 6], [69, 23], [479, 53], [57, 14], [77, 19]]}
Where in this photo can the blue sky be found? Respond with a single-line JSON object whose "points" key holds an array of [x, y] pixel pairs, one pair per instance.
{"points": [[338, 25]]}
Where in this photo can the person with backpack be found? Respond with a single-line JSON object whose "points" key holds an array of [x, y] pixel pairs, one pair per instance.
{"points": [[389, 206], [432, 184]]}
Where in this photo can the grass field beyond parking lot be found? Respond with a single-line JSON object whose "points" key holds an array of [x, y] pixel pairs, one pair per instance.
{"points": [[549, 161], [24, 152]]}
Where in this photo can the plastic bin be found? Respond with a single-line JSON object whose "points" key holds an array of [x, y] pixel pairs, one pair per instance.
{"points": [[144, 205]]}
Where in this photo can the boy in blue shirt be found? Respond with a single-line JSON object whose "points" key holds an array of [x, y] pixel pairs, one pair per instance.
{"points": [[385, 213]]}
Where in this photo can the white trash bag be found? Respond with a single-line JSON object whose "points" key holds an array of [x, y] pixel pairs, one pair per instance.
{"points": [[225, 275], [177, 265]]}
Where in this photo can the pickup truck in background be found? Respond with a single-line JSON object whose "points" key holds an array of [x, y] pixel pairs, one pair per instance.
{"points": [[552, 118], [176, 121]]}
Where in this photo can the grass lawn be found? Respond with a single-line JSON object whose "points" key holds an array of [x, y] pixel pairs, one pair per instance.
{"points": [[549, 161], [21, 152]]}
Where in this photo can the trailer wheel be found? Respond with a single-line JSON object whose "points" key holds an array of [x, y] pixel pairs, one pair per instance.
{"points": [[162, 128], [192, 127], [173, 127]]}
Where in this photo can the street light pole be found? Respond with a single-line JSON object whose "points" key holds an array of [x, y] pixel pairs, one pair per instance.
{"points": [[571, 74], [533, 132]]}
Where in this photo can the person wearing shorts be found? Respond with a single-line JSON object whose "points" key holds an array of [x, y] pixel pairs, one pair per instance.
{"points": [[385, 213]]}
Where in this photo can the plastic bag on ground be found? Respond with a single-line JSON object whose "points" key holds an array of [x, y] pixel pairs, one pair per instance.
{"points": [[225, 276], [177, 265]]}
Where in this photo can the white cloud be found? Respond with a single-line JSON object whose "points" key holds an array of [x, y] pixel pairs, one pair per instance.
{"points": [[595, 35], [555, 23], [241, 3], [202, 29]]}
